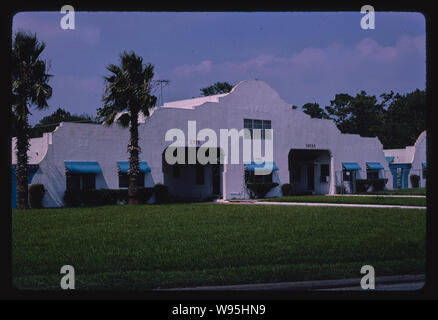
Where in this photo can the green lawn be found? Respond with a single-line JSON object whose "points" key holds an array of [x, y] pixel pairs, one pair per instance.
{"points": [[352, 199], [412, 191], [160, 246]]}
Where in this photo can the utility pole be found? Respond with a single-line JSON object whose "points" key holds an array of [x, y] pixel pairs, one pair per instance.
{"points": [[162, 83]]}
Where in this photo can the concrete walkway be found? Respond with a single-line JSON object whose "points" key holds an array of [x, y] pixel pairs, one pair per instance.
{"points": [[377, 195], [402, 282], [317, 204]]}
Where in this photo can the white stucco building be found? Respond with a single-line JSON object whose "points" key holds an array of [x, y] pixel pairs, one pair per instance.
{"points": [[408, 162], [312, 154]]}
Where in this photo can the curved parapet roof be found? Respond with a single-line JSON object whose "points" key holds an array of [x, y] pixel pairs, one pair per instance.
{"points": [[37, 149], [420, 137]]}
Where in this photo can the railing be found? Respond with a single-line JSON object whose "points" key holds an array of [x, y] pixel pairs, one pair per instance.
{"points": [[347, 182]]}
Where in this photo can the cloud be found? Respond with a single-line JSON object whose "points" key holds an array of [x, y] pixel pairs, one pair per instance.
{"points": [[317, 73]]}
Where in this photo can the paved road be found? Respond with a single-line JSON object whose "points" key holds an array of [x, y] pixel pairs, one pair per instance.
{"points": [[387, 283], [317, 204]]}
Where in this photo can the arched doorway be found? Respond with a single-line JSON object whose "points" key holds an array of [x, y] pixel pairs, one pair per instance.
{"points": [[309, 171], [191, 180]]}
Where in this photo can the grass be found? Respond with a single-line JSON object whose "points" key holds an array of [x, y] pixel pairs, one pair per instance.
{"points": [[352, 200], [162, 246], [411, 191]]}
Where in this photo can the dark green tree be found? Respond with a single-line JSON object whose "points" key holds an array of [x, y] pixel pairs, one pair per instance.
{"points": [[49, 123], [361, 114], [405, 118], [29, 88], [128, 92], [314, 111], [217, 88]]}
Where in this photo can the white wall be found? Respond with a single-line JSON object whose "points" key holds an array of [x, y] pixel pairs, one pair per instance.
{"points": [[252, 99]]}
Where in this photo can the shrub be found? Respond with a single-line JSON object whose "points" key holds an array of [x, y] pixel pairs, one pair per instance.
{"points": [[259, 190], [72, 198], [36, 195], [341, 190], [101, 197], [362, 185], [379, 184], [161, 192], [286, 189], [415, 181]]}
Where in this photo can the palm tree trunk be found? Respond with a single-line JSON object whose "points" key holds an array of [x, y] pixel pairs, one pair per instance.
{"points": [[22, 145], [134, 151]]}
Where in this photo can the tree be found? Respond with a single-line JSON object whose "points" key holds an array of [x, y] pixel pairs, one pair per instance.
{"points": [[314, 111], [49, 123], [128, 91], [405, 118], [361, 114], [29, 88], [217, 88]]}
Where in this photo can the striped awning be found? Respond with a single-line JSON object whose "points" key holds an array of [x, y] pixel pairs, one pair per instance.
{"points": [[124, 166], [351, 166], [374, 166], [82, 167]]}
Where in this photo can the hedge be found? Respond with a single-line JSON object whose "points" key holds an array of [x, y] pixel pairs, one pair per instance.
{"points": [[87, 198], [36, 195]]}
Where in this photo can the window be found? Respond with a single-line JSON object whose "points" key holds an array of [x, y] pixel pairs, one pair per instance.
{"points": [[247, 124], [81, 182], [199, 174], [372, 174], [73, 182], [424, 172], [348, 175], [325, 172], [88, 182], [124, 180], [261, 125]]}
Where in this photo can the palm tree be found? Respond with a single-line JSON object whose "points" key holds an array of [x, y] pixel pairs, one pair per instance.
{"points": [[128, 91], [29, 88]]}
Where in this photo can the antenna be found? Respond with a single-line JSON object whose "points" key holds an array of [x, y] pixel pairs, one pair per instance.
{"points": [[162, 83]]}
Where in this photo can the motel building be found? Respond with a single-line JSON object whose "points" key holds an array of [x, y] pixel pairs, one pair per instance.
{"points": [[408, 165], [311, 154]]}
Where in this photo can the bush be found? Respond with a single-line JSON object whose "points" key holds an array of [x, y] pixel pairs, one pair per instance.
{"points": [[286, 189], [161, 192], [341, 190], [379, 184], [36, 195], [415, 181], [363, 185], [259, 190], [101, 197]]}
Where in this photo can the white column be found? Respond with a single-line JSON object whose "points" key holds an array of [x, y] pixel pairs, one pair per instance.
{"points": [[224, 182], [332, 175]]}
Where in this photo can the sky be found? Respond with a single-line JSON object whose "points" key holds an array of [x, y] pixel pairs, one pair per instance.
{"points": [[304, 56]]}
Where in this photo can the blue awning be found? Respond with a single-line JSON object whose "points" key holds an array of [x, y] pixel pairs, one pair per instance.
{"points": [[124, 166], [351, 166], [252, 166], [389, 159], [424, 164], [82, 167], [374, 166]]}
